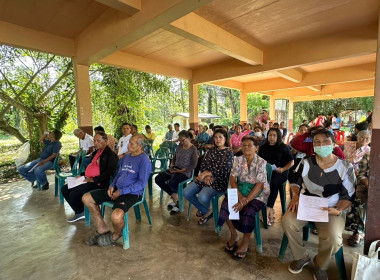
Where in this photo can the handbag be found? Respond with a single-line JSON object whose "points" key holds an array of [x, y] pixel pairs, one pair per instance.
{"points": [[245, 188], [366, 267]]}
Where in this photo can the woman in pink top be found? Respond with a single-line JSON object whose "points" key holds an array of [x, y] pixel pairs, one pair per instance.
{"points": [[235, 142]]}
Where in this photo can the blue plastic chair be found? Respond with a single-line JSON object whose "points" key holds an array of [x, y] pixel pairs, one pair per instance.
{"points": [[60, 177], [339, 257], [136, 208], [161, 156], [53, 167], [181, 186]]}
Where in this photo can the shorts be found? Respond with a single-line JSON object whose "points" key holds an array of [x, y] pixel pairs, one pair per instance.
{"points": [[123, 202]]}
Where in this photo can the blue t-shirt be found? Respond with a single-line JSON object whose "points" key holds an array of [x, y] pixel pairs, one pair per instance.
{"points": [[50, 148], [133, 174]]}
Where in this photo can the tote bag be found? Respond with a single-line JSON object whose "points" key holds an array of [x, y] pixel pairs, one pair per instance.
{"points": [[366, 267]]}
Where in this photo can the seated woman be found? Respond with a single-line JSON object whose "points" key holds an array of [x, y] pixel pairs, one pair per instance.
{"points": [[213, 177], [249, 168], [184, 161], [235, 143], [257, 133], [278, 155], [323, 175], [357, 152]]}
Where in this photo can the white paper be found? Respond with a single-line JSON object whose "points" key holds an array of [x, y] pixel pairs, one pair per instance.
{"points": [[34, 167], [72, 182], [309, 209], [232, 200], [274, 167]]}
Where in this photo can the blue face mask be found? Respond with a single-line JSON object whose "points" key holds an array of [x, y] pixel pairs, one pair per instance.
{"points": [[324, 151]]}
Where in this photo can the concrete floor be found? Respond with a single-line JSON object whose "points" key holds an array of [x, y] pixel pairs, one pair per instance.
{"points": [[37, 243]]}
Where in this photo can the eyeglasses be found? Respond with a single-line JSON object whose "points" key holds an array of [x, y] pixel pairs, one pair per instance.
{"points": [[182, 140]]}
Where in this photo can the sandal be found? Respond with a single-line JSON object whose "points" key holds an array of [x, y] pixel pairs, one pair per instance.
{"points": [[314, 231], [171, 205], [175, 210], [239, 256], [231, 249], [93, 240], [204, 220], [355, 240], [199, 214]]}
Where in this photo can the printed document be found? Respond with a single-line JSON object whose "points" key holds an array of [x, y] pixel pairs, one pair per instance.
{"points": [[309, 209], [72, 182], [232, 200]]}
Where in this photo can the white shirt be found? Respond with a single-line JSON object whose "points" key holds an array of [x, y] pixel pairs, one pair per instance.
{"points": [[175, 135], [86, 143], [123, 144]]}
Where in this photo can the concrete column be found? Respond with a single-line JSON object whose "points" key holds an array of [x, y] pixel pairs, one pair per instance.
{"points": [[243, 107], [372, 231], [193, 105], [272, 108], [83, 95], [291, 113]]}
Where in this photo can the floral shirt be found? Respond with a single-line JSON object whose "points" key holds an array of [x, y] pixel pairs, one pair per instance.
{"points": [[257, 173], [354, 155], [363, 167]]}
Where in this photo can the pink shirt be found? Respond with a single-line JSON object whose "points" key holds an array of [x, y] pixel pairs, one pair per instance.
{"points": [[93, 169], [236, 140]]}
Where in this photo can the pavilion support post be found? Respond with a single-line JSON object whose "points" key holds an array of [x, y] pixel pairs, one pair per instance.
{"points": [[83, 96], [193, 105], [372, 231], [291, 115], [272, 108], [243, 107]]}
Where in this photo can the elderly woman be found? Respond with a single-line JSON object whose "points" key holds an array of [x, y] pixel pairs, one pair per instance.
{"points": [[251, 170], [213, 177], [235, 143], [257, 133], [357, 152], [279, 156], [322, 175], [184, 161]]}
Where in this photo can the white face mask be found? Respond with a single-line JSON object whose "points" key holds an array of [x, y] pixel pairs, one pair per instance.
{"points": [[258, 134]]}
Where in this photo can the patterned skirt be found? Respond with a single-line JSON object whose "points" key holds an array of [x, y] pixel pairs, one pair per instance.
{"points": [[246, 223]]}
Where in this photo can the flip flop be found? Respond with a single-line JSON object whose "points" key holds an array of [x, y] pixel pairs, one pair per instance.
{"points": [[231, 249], [204, 220], [198, 214], [239, 256]]}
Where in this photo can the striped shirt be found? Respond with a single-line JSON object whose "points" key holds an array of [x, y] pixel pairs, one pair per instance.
{"points": [[336, 182]]}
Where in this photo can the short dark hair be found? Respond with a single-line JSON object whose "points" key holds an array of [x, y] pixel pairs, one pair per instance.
{"points": [[361, 126], [258, 127], [250, 138], [177, 124], [184, 133], [335, 115], [191, 135], [125, 124], [101, 133], [305, 125], [325, 132], [211, 125], [147, 127], [99, 128], [225, 135], [215, 127], [57, 134], [134, 126], [279, 136]]}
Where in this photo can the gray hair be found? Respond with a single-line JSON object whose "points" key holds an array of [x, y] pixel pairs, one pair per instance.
{"points": [[363, 133], [140, 140], [77, 131]]}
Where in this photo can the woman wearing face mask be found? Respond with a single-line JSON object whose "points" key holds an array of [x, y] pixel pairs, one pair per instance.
{"points": [[278, 155], [258, 135], [323, 175]]}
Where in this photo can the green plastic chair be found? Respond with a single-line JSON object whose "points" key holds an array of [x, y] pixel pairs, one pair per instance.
{"points": [[60, 177], [55, 164], [161, 156], [136, 208], [181, 186], [339, 257]]}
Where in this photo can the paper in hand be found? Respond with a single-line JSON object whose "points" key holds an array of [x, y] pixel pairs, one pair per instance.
{"points": [[232, 200], [309, 209], [72, 182]]}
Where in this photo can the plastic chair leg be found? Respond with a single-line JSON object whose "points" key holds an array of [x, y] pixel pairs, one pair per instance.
{"points": [[38, 186], [137, 212], [306, 233], [215, 210], [180, 197], [265, 216], [87, 216], [284, 244], [189, 212], [150, 185], [283, 198], [55, 186], [161, 195], [126, 232], [339, 258], [147, 212], [259, 244], [61, 182]]}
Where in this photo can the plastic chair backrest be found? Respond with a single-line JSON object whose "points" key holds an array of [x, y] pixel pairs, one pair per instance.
{"points": [[162, 156], [79, 159], [269, 172], [290, 135], [56, 166]]}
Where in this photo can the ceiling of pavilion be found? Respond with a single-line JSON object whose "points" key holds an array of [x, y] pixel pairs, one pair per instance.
{"points": [[285, 48]]}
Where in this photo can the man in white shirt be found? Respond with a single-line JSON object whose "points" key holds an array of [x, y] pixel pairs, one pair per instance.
{"points": [[124, 140], [175, 134], [86, 143]]}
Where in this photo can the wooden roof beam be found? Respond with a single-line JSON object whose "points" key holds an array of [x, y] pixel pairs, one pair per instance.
{"points": [[292, 75], [332, 76], [125, 60], [350, 43], [129, 7], [228, 84], [202, 31], [315, 88], [364, 93], [113, 30], [22, 37]]}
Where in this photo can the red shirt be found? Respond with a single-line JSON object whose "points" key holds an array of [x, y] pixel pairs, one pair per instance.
{"points": [[93, 169]]}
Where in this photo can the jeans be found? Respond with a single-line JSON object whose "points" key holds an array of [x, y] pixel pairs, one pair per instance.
{"points": [[37, 174], [202, 202]]}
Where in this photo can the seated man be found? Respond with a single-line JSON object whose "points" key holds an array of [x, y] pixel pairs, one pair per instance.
{"points": [[111, 141], [149, 134], [203, 136], [102, 167], [86, 143], [44, 162], [126, 189], [169, 134]]}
